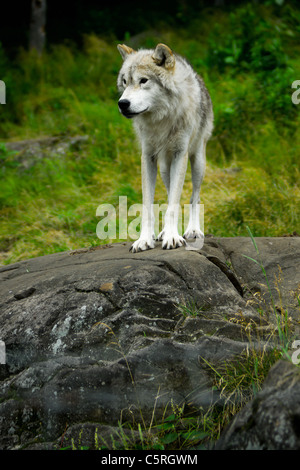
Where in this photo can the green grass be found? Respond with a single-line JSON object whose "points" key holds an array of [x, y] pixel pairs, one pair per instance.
{"points": [[252, 159]]}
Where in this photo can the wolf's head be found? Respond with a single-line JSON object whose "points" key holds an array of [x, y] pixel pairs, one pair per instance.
{"points": [[146, 80]]}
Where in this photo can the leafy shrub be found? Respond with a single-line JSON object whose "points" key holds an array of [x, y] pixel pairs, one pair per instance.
{"points": [[252, 43], [251, 50]]}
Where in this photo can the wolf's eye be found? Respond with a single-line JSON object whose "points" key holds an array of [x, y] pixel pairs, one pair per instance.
{"points": [[143, 80]]}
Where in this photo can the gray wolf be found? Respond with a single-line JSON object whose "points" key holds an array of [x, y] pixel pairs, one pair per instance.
{"points": [[173, 117]]}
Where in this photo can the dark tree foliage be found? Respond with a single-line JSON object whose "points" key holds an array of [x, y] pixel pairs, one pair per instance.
{"points": [[69, 20]]}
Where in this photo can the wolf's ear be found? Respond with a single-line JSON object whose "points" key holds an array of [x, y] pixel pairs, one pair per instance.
{"points": [[124, 50], [164, 56]]}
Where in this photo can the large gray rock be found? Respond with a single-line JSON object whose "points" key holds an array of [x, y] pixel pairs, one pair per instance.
{"points": [[102, 335]]}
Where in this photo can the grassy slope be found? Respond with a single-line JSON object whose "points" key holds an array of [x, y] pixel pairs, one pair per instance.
{"points": [[252, 159]]}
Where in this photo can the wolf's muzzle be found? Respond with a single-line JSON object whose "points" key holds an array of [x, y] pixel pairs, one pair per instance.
{"points": [[124, 107]]}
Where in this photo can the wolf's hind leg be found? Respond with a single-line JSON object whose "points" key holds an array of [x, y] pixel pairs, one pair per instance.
{"points": [[198, 160]]}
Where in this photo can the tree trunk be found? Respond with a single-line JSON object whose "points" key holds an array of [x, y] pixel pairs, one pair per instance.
{"points": [[37, 33]]}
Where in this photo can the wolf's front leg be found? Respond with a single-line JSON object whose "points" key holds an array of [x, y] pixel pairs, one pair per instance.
{"points": [[147, 237], [170, 236]]}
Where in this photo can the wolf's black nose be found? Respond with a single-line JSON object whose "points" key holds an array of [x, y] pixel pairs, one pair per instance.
{"points": [[124, 105]]}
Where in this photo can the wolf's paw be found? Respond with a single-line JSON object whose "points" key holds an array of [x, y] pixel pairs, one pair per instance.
{"points": [[142, 244], [193, 233], [172, 241]]}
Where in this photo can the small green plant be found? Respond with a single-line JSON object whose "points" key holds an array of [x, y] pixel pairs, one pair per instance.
{"points": [[191, 309], [178, 431]]}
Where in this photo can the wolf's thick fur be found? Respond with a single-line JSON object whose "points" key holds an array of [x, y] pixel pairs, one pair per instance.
{"points": [[173, 118]]}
